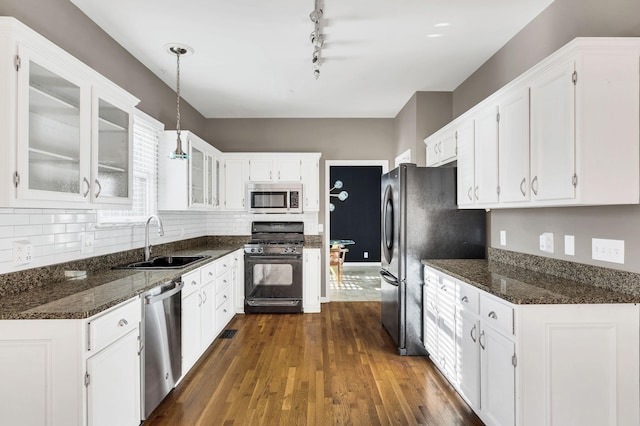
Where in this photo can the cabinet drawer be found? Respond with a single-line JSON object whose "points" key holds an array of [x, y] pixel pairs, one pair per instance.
{"points": [[223, 281], [496, 314], [224, 314], [468, 298], [223, 296], [208, 272], [191, 283], [223, 264], [114, 324]]}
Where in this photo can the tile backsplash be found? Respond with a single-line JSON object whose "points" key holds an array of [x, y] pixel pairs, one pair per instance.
{"points": [[56, 234]]}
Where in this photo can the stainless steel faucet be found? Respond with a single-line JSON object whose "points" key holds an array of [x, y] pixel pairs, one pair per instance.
{"points": [[147, 246]]}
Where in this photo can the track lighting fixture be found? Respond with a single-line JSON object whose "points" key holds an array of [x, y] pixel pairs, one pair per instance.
{"points": [[316, 37]]}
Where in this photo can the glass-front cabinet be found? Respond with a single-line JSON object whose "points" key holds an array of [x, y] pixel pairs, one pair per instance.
{"points": [[197, 170], [67, 129]]}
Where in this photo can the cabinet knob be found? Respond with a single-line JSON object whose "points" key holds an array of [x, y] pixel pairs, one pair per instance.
{"points": [[465, 299], [193, 282], [493, 315], [210, 273], [123, 322]]}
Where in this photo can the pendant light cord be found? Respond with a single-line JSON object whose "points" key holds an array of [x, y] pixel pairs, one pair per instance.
{"points": [[178, 92]]}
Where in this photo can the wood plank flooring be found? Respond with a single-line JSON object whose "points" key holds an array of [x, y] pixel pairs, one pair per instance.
{"points": [[338, 367]]}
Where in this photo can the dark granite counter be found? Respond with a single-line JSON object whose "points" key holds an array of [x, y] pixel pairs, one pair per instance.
{"points": [[523, 286], [100, 290]]}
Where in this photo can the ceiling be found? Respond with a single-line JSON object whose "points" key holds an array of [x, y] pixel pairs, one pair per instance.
{"points": [[252, 58]]}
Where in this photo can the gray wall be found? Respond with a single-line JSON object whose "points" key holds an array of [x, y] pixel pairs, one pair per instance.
{"points": [[559, 23], [65, 25], [422, 115]]}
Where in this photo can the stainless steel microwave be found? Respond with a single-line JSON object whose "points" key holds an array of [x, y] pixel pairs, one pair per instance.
{"points": [[266, 197]]}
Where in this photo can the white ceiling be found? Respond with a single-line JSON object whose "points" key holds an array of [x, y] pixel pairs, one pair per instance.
{"points": [[253, 57]]}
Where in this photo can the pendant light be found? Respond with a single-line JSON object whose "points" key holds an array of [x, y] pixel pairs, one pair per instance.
{"points": [[178, 50]]}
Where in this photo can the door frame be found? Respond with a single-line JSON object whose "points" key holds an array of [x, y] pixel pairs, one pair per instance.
{"points": [[327, 218]]}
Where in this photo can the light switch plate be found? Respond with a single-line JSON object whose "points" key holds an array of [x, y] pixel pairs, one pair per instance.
{"points": [[569, 245], [503, 238]]}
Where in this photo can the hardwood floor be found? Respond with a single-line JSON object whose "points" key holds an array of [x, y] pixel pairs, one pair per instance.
{"points": [[334, 368]]}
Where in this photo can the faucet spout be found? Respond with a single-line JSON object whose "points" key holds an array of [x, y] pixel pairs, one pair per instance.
{"points": [[147, 246]]}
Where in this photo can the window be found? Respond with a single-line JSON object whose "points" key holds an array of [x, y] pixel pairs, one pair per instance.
{"points": [[146, 136]]}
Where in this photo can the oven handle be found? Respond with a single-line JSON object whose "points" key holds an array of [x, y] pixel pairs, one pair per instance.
{"points": [[277, 257]]}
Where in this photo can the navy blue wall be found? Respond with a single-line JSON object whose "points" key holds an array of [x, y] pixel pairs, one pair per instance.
{"points": [[358, 217]]}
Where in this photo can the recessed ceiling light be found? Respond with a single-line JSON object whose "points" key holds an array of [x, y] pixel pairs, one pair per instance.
{"points": [[442, 24], [434, 35]]}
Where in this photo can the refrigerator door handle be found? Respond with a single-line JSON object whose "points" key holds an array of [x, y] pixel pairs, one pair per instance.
{"points": [[389, 277]]}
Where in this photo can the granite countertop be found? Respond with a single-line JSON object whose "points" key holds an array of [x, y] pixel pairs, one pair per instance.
{"points": [[100, 290], [523, 286]]}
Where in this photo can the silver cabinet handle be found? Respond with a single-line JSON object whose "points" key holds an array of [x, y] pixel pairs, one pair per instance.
{"points": [[493, 315], [475, 192], [123, 322], [225, 296], [469, 193], [204, 297], [534, 185], [193, 282], [200, 297], [524, 180], [99, 188], [471, 333], [86, 182], [480, 340], [270, 175], [465, 299], [210, 273]]}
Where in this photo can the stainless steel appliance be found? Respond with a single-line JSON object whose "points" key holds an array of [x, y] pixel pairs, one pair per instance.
{"points": [[420, 220], [162, 348], [273, 268], [274, 197]]}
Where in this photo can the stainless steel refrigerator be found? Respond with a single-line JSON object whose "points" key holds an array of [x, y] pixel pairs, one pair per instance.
{"points": [[420, 220]]}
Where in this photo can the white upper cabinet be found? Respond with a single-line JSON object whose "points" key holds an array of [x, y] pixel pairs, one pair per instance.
{"points": [[68, 129], [441, 148], [513, 146], [235, 187], [553, 162], [311, 184], [466, 167], [192, 183], [266, 168], [486, 156]]}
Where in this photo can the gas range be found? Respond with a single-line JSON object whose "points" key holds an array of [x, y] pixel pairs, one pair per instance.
{"points": [[276, 238]]}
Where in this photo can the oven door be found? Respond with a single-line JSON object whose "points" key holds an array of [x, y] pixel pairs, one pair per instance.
{"points": [[273, 281]]}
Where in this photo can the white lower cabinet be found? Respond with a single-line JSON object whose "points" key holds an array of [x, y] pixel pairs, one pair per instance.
{"points": [[523, 365], [237, 280], [72, 372], [113, 383], [311, 285]]}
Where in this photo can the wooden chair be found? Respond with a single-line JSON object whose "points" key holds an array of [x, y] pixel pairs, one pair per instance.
{"points": [[336, 258]]}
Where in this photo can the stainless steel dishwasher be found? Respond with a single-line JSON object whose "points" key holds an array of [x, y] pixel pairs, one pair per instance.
{"points": [[162, 348]]}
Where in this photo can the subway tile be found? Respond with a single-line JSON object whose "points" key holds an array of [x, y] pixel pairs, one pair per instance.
{"points": [[53, 229], [6, 231], [40, 219], [75, 227], [13, 219], [67, 238], [65, 218], [27, 230], [6, 211]]}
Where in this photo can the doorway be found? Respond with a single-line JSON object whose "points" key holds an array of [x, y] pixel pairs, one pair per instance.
{"points": [[352, 229]]}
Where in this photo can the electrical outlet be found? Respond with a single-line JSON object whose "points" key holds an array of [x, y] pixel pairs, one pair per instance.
{"points": [[607, 250], [86, 243], [22, 252], [366, 255], [503, 238], [546, 242]]}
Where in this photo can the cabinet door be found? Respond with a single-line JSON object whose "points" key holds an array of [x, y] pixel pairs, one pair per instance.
{"points": [[113, 390], [552, 134], [196, 176], [53, 131], [112, 155], [513, 141], [261, 170], [310, 184], [466, 179], [486, 156], [433, 156], [234, 184], [468, 371], [497, 395], [311, 293], [212, 175], [448, 147], [430, 319], [208, 314], [288, 170], [238, 280], [191, 333], [447, 327]]}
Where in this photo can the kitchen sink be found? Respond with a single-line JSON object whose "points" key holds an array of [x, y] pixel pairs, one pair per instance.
{"points": [[165, 262]]}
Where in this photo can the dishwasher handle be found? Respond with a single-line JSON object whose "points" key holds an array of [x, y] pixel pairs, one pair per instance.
{"points": [[164, 295]]}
